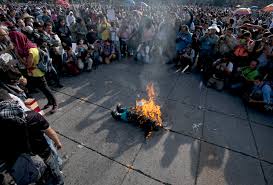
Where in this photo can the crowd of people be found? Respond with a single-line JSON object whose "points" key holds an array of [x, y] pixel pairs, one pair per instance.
{"points": [[40, 43]]}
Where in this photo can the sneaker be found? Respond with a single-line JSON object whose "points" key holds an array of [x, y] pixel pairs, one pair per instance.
{"points": [[118, 108], [116, 115]]}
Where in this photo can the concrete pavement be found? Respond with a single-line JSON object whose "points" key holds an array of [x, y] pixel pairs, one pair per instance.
{"points": [[210, 137]]}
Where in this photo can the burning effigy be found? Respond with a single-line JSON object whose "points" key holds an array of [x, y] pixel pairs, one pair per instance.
{"points": [[145, 114]]}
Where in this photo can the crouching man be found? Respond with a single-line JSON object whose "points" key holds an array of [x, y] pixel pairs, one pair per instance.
{"points": [[262, 94]]}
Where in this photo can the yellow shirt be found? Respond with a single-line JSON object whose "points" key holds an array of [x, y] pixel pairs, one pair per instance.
{"points": [[105, 35], [35, 72]]}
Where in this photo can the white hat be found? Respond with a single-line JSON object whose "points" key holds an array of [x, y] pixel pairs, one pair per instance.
{"points": [[215, 27]]}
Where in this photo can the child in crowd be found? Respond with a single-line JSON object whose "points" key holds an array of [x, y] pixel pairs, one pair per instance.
{"points": [[81, 52], [70, 62], [96, 54], [108, 52], [115, 39]]}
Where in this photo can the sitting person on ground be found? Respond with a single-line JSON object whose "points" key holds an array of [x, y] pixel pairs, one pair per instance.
{"points": [[108, 52], [245, 77], [88, 58], [244, 49], [226, 43], [96, 55], [185, 60], [70, 62], [262, 93], [81, 51], [218, 76], [266, 57]]}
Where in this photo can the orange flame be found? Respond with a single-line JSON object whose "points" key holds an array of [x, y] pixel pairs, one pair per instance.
{"points": [[149, 108]]}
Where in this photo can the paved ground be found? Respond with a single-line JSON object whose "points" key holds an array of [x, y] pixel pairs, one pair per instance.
{"points": [[212, 138]]}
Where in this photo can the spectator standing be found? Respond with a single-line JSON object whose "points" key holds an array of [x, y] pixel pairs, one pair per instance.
{"points": [[227, 43], [207, 48], [183, 39], [81, 30], [64, 33], [104, 29], [70, 19], [29, 55]]}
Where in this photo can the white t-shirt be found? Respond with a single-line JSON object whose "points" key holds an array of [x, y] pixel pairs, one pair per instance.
{"points": [[20, 102]]}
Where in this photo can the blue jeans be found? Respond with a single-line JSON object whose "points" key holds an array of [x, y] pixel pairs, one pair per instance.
{"points": [[52, 164], [54, 151], [267, 94]]}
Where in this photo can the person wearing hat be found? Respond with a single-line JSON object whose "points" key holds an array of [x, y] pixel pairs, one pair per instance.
{"points": [[26, 16], [207, 46], [28, 19]]}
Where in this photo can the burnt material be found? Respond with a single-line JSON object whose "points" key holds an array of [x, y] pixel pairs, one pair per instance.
{"points": [[130, 115]]}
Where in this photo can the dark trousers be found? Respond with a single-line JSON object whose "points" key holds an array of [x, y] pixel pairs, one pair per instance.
{"points": [[53, 74], [41, 84]]}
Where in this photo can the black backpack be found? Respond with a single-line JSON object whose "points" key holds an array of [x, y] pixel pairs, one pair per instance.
{"points": [[44, 61]]}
